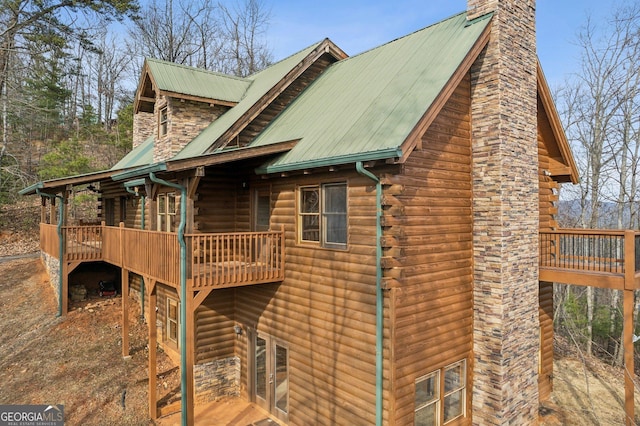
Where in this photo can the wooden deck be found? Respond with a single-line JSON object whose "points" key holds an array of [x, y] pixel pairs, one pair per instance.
{"points": [[213, 260], [598, 258]]}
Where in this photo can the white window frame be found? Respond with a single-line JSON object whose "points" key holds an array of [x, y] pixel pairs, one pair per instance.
{"points": [[443, 393], [171, 301]]}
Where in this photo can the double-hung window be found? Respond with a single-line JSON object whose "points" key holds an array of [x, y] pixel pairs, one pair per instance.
{"points": [[322, 214], [173, 308], [163, 122], [166, 212], [441, 395]]}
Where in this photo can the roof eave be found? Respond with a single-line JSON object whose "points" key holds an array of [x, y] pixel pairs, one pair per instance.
{"points": [[32, 189], [59, 184], [139, 172], [385, 154], [571, 171]]}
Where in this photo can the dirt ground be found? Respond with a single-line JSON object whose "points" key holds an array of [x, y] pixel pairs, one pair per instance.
{"points": [[76, 361]]}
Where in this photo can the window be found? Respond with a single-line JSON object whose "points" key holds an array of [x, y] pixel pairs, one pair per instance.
{"points": [[323, 214], [172, 320], [439, 402], [166, 212], [427, 401], [162, 130]]}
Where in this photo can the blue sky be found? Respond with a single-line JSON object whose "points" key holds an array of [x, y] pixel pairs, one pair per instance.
{"points": [[358, 25]]}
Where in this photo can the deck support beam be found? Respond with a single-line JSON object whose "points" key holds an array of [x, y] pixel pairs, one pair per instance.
{"points": [[153, 349], [67, 269], [628, 304], [124, 274], [125, 313], [628, 326], [190, 329]]}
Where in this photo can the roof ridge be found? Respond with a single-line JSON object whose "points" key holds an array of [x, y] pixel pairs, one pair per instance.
{"points": [[251, 77], [442, 21]]}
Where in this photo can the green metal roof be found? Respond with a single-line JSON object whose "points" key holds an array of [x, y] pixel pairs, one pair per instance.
{"points": [[366, 106], [262, 82], [185, 80], [139, 156]]}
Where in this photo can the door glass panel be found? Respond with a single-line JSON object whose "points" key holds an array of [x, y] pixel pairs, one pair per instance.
{"points": [[263, 212], [282, 379], [261, 368]]}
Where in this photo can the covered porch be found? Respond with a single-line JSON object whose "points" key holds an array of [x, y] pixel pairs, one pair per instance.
{"points": [[213, 261]]}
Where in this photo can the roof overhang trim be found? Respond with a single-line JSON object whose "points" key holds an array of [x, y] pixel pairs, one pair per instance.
{"points": [[570, 171], [134, 183], [58, 185], [230, 155], [384, 154], [139, 172]]}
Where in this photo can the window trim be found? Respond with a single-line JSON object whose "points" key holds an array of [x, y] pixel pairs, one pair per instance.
{"points": [[322, 215], [169, 321], [162, 209], [442, 394], [437, 399], [163, 121], [462, 388]]}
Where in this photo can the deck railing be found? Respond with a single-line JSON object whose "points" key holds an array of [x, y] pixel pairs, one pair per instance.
{"points": [[49, 241], [589, 250], [584, 250], [152, 253], [213, 260], [220, 260], [83, 243]]}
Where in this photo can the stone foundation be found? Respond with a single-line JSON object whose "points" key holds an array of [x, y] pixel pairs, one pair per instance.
{"points": [[52, 265], [217, 379]]}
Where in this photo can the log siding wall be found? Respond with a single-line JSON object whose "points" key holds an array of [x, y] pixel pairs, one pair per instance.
{"points": [[429, 209], [324, 311], [548, 210]]}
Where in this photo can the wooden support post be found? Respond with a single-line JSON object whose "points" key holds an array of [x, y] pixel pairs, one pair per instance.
{"points": [[628, 328], [43, 209], [190, 328], [125, 313], [64, 296], [52, 212], [153, 349], [125, 297], [628, 358]]}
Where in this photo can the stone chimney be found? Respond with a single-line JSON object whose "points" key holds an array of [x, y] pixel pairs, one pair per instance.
{"points": [[505, 187]]}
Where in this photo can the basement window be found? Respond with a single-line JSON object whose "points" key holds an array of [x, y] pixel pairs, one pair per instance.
{"points": [[322, 214], [439, 402], [173, 308]]}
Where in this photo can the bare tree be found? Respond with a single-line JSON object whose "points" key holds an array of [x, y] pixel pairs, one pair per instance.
{"points": [[25, 24], [244, 28], [600, 109], [215, 36]]}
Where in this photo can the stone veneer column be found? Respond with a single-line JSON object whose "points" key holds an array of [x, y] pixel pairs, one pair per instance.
{"points": [[144, 125], [505, 204]]}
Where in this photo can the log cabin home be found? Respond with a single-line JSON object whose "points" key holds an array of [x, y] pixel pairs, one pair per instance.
{"points": [[349, 240]]}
